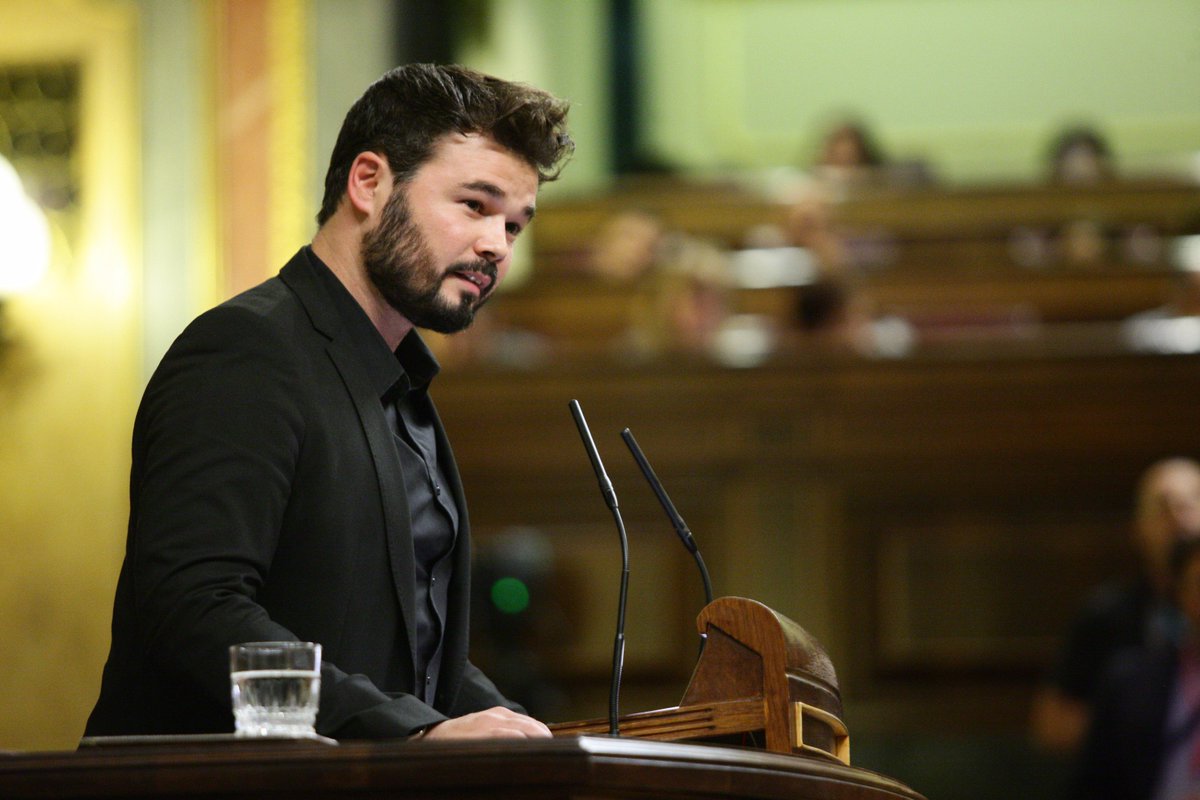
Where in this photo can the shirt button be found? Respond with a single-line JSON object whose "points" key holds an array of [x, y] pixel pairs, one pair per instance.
{"points": [[437, 488]]}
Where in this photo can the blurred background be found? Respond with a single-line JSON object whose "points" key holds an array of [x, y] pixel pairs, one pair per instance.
{"points": [[899, 297]]}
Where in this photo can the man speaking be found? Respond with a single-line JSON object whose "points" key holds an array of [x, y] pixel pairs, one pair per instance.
{"points": [[291, 479]]}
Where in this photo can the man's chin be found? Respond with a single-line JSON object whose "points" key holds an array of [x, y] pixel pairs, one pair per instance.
{"points": [[446, 320], [448, 327]]}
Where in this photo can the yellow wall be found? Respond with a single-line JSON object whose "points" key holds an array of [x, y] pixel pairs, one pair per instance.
{"points": [[147, 260], [68, 384]]}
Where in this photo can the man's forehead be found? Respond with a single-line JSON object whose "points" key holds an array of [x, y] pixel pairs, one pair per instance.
{"points": [[1172, 479], [1176, 482], [497, 192], [477, 140], [483, 151]]}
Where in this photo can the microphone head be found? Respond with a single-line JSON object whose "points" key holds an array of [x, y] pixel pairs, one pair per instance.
{"points": [[664, 500], [606, 487]]}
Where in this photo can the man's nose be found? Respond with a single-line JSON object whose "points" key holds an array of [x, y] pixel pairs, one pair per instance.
{"points": [[492, 244]]}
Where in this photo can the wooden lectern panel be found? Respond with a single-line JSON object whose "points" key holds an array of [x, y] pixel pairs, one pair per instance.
{"points": [[760, 675], [577, 768]]}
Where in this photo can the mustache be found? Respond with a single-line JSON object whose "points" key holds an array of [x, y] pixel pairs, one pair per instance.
{"points": [[482, 266]]}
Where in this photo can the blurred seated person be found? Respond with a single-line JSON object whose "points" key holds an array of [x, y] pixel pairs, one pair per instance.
{"points": [[1124, 614], [849, 155], [1083, 243], [1143, 742], [832, 317], [850, 158], [684, 303], [835, 316], [627, 246], [810, 225], [1080, 155]]}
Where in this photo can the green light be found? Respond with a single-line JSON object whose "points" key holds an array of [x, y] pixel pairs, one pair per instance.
{"points": [[510, 595]]}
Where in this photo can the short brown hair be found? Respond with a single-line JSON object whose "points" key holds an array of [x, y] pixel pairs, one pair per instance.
{"points": [[403, 114]]}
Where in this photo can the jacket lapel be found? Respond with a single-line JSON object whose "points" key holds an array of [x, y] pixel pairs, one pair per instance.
{"points": [[300, 277]]}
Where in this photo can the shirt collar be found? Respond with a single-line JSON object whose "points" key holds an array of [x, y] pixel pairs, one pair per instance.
{"points": [[392, 374]]}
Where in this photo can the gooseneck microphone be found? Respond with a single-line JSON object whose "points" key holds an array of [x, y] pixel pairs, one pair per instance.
{"points": [[610, 498], [680, 526]]}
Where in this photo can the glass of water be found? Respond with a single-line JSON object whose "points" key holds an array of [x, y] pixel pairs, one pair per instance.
{"points": [[276, 686]]}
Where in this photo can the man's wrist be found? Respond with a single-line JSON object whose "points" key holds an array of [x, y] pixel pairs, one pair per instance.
{"points": [[420, 732]]}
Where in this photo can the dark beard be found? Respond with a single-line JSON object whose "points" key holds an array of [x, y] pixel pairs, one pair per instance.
{"points": [[398, 262]]}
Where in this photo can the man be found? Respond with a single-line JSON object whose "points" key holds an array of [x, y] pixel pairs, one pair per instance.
{"points": [[291, 479], [1120, 616], [1143, 741]]}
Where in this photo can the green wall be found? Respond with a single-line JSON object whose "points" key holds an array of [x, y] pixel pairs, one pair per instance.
{"points": [[976, 87], [173, 171]]}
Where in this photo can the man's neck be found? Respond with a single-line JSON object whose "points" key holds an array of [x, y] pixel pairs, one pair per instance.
{"points": [[340, 254]]}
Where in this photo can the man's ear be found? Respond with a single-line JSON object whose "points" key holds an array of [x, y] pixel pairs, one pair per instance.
{"points": [[369, 183]]}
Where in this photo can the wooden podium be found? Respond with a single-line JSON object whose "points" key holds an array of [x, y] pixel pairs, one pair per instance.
{"points": [[572, 768], [760, 680]]}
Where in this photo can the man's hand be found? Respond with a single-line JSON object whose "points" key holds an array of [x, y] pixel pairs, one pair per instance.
{"points": [[493, 723]]}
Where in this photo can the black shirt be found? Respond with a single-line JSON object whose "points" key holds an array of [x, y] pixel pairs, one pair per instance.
{"points": [[402, 380]]}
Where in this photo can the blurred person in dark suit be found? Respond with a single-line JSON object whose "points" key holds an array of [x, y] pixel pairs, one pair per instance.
{"points": [[1122, 615], [1143, 742]]}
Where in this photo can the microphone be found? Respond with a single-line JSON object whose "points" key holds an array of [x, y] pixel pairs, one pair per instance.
{"points": [[681, 527], [610, 498]]}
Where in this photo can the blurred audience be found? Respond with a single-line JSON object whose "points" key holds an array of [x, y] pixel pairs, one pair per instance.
{"points": [[836, 316], [628, 246], [810, 225], [1122, 615], [851, 158], [849, 162], [833, 317], [1083, 242], [684, 300], [1079, 155], [1143, 742], [849, 155]]}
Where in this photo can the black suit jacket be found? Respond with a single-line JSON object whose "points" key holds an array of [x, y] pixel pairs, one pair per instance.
{"points": [[267, 503], [1124, 751]]}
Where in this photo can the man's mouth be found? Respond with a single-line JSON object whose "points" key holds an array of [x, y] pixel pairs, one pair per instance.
{"points": [[482, 277]]}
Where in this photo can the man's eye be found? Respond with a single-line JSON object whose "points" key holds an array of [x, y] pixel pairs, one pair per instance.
{"points": [[474, 205], [513, 229]]}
